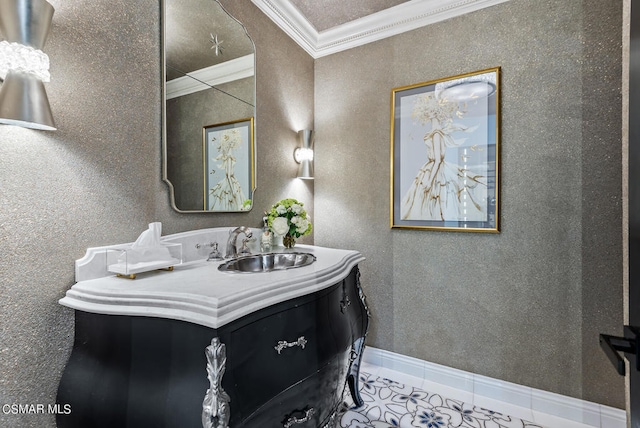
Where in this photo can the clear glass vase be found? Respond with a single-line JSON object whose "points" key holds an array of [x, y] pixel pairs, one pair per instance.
{"points": [[289, 241]]}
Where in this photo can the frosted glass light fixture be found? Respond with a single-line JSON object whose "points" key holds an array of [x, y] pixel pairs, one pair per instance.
{"points": [[467, 88], [304, 154], [23, 66]]}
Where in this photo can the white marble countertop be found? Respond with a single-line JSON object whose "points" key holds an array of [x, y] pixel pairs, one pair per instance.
{"points": [[197, 292]]}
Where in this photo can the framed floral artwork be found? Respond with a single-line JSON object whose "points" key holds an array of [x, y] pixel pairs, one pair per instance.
{"points": [[229, 176], [445, 148]]}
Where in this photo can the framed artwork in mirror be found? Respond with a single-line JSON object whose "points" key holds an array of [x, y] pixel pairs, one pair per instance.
{"points": [[228, 165], [445, 148]]}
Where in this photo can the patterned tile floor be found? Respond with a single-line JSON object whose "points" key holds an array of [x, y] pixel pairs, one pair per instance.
{"points": [[390, 404]]}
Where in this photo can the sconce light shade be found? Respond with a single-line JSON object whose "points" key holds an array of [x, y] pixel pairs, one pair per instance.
{"points": [[304, 154], [24, 102], [23, 99], [26, 21]]}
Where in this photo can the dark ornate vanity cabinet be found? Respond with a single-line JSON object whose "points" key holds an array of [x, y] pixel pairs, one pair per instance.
{"points": [[285, 365]]}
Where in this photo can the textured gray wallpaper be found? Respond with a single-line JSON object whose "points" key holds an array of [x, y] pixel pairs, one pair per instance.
{"points": [[97, 180], [525, 305]]}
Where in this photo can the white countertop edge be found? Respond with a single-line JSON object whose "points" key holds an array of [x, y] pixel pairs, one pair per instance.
{"points": [[211, 312]]}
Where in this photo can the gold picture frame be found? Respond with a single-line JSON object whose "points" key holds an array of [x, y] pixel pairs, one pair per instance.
{"points": [[229, 170], [445, 154]]}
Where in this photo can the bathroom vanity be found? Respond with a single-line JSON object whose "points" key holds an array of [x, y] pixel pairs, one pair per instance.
{"points": [[197, 347]]}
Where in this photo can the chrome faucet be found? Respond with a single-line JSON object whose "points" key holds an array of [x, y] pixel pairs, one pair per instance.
{"points": [[232, 243]]}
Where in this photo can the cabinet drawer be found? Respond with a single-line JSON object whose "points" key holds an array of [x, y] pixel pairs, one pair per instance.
{"points": [[278, 350], [307, 404], [271, 354]]}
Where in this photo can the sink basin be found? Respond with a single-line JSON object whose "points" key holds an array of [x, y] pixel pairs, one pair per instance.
{"points": [[267, 262]]}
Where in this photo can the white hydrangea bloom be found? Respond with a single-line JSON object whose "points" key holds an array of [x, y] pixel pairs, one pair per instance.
{"points": [[280, 226], [302, 225]]}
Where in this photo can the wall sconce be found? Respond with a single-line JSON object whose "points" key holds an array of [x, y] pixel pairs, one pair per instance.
{"points": [[304, 154], [23, 66]]}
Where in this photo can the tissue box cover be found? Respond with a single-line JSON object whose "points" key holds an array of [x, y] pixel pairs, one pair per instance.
{"points": [[129, 261]]}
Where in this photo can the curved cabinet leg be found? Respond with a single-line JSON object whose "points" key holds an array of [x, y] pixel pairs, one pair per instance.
{"points": [[354, 372], [357, 348], [331, 423], [215, 407]]}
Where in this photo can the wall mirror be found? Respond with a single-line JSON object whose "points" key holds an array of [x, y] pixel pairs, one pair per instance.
{"points": [[209, 108]]}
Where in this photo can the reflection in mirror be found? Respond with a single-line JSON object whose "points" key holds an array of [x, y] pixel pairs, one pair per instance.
{"points": [[209, 108]]}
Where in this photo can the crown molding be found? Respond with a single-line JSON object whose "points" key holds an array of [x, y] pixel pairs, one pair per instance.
{"points": [[386, 23], [205, 78]]}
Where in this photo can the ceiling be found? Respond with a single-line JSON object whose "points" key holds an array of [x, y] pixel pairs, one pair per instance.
{"points": [[329, 26], [332, 13]]}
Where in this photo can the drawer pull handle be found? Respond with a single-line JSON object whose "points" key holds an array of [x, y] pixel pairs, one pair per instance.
{"points": [[282, 344], [294, 421]]}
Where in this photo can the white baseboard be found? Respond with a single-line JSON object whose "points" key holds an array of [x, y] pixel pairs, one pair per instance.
{"points": [[539, 401]]}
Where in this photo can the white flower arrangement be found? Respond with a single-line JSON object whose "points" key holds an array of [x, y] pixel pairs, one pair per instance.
{"points": [[288, 218]]}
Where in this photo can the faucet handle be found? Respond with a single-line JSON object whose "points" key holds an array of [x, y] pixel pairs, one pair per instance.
{"points": [[214, 254], [244, 249]]}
